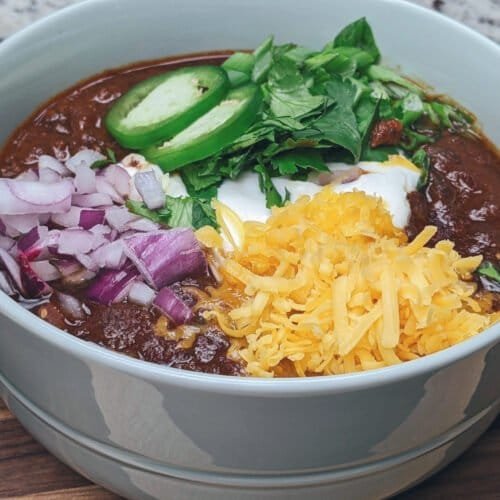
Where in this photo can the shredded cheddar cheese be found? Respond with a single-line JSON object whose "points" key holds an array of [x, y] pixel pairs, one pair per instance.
{"points": [[329, 285]]}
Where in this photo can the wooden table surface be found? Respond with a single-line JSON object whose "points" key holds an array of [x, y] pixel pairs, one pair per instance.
{"points": [[27, 470]]}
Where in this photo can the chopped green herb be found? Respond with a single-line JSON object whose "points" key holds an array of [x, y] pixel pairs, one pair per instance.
{"points": [[421, 160], [317, 106], [178, 212], [489, 270], [110, 160]]}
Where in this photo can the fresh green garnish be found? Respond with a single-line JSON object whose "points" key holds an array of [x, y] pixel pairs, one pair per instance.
{"points": [[178, 212], [489, 270], [110, 160], [421, 160], [315, 107]]}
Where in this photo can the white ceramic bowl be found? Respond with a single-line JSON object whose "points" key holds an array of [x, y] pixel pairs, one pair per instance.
{"points": [[146, 431]]}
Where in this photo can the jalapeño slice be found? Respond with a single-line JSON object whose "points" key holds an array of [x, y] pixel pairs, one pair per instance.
{"points": [[160, 107], [212, 132]]}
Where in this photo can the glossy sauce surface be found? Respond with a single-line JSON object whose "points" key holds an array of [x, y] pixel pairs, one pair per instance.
{"points": [[462, 196]]}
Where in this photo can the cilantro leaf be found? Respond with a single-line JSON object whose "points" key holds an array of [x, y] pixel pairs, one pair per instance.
{"points": [[288, 92], [489, 270], [273, 198], [421, 160], [289, 163], [160, 216], [178, 212], [358, 34], [190, 212]]}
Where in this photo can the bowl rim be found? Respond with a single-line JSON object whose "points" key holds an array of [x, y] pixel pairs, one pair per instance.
{"points": [[223, 384]]}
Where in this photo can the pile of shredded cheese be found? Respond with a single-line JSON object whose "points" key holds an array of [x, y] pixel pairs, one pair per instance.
{"points": [[329, 285]]}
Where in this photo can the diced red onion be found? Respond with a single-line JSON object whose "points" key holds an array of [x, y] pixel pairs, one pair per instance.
{"points": [[68, 266], [28, 175], [12, 268], [119, 217], [85, 180], [45, 246], [71, 306], [174, 307], [5, 284], [141, 294], [90, 218], [104, 187], [49, 162], [48, 176], [76, 241], [119, 178], [6, 243], [101, 229], [110, 255], [71, 218], [92, 200], [33, 285], [150, 189], [143, 225], [164, 257], [30, 197], [45, 270], [87, 262], [32, 237], [86, 157], [112, 285], [21, 223]]}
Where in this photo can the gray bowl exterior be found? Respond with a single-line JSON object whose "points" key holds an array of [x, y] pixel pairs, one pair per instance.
{"points": [[149, 431]]}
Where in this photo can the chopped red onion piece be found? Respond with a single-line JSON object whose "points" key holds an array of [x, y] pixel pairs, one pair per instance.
{"points": [[6, 243], [141, 294], [104, 187], [32, 237], [71, 218], [143, 225], [150, 189], [33, 285], [164, 257], [90, 218], [2, 227], [68, 266], [92, 200], [71, 305], [101, 229], [45, 270], [110, 256], [45, 246], [28, 175], [87, 262], [119, 178], [21, 223], [49, 162], [12, 268], [76, 241], [48, 176], [5, 284], [85, 180], [112, 285], [119, 217], [174, 307], [30, 197], [86, 157]]}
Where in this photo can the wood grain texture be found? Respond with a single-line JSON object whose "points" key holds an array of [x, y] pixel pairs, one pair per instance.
{"points": [[28, 471]]}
